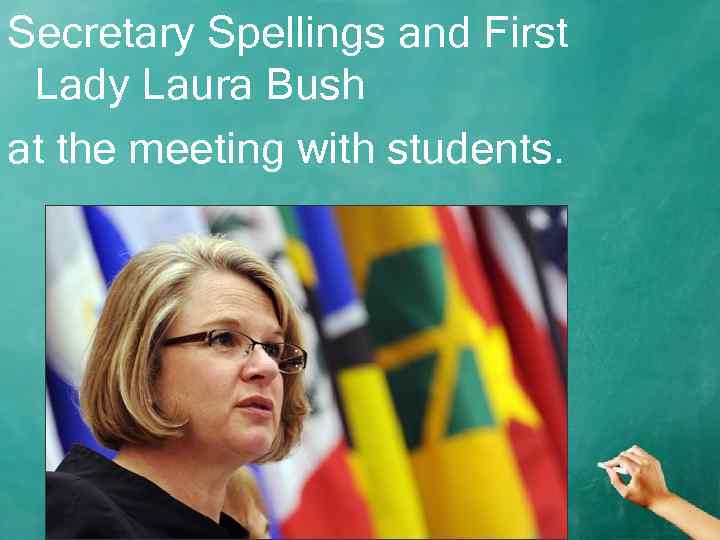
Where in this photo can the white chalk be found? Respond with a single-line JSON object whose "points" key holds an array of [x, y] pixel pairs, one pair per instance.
{"points": [[619, 470]]}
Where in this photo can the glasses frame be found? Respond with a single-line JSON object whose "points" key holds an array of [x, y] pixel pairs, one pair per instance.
{"points": [[205, 337]]}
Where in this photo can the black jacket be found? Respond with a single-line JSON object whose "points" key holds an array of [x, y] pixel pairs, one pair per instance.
{"points": [[90, 496]]}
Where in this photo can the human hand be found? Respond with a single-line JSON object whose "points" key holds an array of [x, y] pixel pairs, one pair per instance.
{"points": [[647, 484]]}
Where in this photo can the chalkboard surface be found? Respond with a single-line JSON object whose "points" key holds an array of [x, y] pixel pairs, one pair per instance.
{"points": [[644, 361], [631, 107]]}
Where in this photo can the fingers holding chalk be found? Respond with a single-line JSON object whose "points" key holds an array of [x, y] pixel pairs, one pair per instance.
{"points": [[613, 468], [617, 468], [646, 483], [620, 486], [629, 464], [616, 464]]}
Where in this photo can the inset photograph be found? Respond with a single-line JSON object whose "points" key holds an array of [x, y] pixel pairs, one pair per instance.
{"points": [[306, 371]]}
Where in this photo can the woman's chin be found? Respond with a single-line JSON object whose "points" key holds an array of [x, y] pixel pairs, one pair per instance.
{"points": [[251, 444]]}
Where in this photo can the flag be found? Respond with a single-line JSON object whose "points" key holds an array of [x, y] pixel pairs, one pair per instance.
{"points": [[550, 225], [516, 265], [119, 232], [75, 293], [311, 493], [382, 464], [539, 452], [436, 334]]}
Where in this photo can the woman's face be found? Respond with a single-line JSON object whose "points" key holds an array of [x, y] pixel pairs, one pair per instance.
{"points": [[212, 387]]}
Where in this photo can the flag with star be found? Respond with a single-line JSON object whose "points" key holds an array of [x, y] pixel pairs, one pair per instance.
{"points": [[525, 249], [479, 449]]}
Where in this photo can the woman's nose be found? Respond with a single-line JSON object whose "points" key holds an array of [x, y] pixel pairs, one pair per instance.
{"points": [[259, 364]]}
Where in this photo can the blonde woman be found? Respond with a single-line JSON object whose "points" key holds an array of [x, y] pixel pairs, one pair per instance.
{"points": [[647, 488], [195, 370]]}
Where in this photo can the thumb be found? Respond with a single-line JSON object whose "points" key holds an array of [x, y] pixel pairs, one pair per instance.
{"points": [[617, 483]]}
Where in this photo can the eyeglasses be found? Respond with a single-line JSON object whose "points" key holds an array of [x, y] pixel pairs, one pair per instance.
{"points": [[290, 358]]}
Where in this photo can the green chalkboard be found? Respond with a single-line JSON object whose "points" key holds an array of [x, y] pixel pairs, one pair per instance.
{"points": [[644, 256], [630, 106], [644, 365]]}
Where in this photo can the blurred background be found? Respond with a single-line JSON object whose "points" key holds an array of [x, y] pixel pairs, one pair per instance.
{"points": [[437, 373]]}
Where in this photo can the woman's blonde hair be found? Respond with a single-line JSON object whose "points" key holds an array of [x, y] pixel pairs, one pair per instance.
{"points": [[244, 503], [117, 395]]}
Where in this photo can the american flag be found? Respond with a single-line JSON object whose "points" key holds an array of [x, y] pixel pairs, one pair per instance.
{"points": [[549, 223], [549, 231]]}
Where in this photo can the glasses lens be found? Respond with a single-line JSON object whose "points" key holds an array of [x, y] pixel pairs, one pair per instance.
{"points": [[227, 341], [274, 350], [292, 359]]}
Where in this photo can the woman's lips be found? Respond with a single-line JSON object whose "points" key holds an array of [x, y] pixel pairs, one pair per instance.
{"points": [[257, 405], [256, 411]]}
